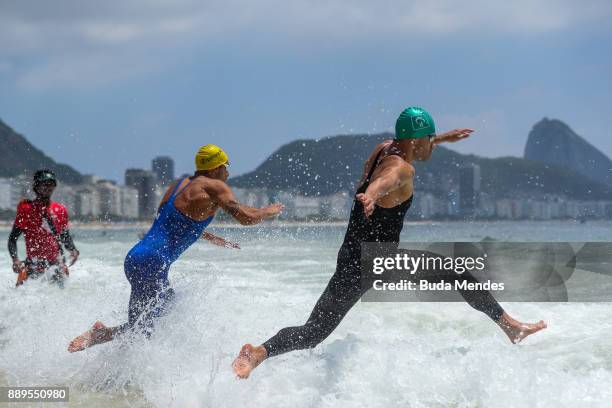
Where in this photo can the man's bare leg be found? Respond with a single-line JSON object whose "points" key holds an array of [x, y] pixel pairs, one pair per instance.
{"points": [[98, 334], [249, 358], [517, 331]]}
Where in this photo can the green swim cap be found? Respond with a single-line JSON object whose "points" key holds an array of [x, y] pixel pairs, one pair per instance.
{"points": [[414, 123]]}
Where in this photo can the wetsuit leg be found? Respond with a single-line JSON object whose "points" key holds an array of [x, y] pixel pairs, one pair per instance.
{"points": [[481, 300], [58, 276], [150, 294], [340, 295], [148, 301], [345, 289]]}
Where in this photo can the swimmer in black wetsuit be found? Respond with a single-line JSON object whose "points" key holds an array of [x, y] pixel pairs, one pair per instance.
{"points": [[381, 201]]}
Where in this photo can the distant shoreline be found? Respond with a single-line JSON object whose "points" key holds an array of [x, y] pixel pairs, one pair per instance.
{"points": [[6, 225], [145, 225]]}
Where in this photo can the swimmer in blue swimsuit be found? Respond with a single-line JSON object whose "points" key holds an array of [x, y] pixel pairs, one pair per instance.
{"points": [[187, 208]]}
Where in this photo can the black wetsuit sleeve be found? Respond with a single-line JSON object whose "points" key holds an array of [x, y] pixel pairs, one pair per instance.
{"points": [[67, 240], [12, 241]]}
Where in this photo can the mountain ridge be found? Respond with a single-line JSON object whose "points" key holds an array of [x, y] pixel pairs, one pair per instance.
{"points": [[311, 167], [552, 141], [20, 157]]}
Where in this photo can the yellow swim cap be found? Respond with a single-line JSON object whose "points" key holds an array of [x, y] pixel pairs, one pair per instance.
{"points": [[210, 157]]}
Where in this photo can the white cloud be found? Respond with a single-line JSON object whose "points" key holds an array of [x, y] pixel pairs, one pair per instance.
{"points": [[86, 70], [76, 42]]}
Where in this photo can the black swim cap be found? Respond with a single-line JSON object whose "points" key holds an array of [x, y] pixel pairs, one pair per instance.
{"points": [[44, 175]]}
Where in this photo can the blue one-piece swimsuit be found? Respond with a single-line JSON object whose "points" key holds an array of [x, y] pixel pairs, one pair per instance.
{"points": [[146, 265]]}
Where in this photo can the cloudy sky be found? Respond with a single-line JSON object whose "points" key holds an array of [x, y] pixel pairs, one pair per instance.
{"points": [[105, 85]]}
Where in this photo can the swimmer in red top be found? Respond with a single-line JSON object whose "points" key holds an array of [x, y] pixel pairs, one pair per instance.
{"points": [[45, 225]]}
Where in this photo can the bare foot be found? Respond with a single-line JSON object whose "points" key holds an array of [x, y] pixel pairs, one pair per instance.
{"points": [[99, 333], [249, 358], [517, 331]]}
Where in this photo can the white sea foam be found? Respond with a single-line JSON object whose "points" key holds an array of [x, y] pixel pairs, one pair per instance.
{"points": [[383, 354]]}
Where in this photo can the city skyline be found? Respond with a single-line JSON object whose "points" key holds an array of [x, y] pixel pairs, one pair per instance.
{"points": [[98, 199]]}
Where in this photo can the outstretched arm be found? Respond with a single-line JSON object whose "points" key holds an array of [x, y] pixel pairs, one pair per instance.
{"points": [[221, 194], [452, 136], [216, 240], [392, 174]]}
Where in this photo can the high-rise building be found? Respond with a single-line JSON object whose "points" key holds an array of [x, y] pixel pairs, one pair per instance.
{"points": [[129, 202], [469, 189], [146, 183], [163, 167], [6, 194], [110, 198], [66, 195], [89, 179], [87, 203], [21, 189]]}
